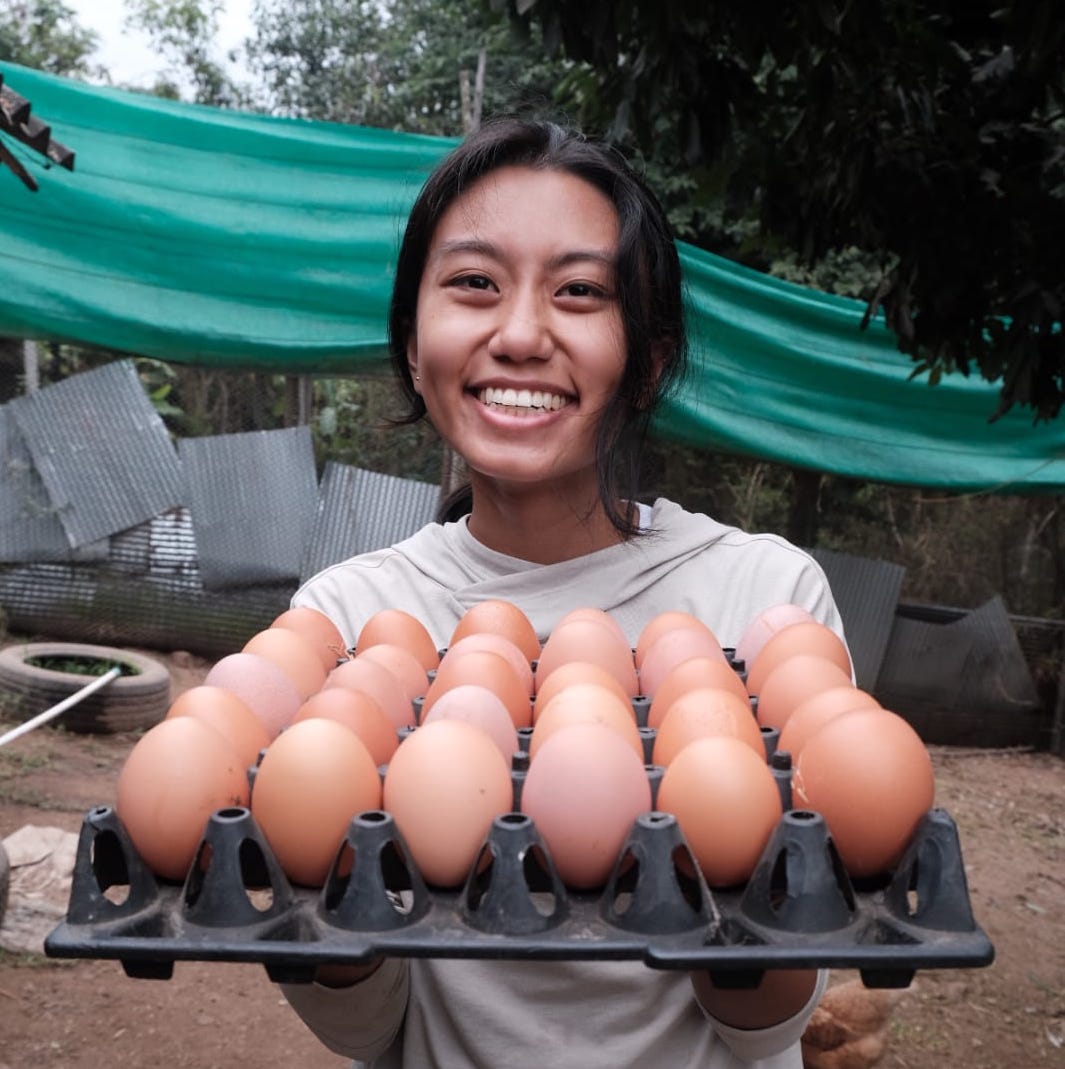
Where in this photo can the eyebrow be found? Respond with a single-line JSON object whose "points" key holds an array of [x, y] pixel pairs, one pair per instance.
{"points": [[486, 248]]}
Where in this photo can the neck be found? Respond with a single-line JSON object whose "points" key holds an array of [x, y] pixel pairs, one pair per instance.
{"points": [[542, 527]]}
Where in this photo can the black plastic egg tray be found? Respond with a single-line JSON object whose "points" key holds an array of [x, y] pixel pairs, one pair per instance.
{"points": [[799, 909]]}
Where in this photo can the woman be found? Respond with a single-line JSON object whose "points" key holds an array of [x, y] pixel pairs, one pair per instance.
{"points": [[537, 320]]}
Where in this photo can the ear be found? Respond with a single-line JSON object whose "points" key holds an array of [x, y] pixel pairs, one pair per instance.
{"points": [[412, 362], [661, 354]]}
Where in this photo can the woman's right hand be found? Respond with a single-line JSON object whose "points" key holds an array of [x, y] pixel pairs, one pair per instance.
{"points": [[345, 975]]}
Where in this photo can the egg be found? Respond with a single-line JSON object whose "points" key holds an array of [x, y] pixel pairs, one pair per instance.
{"points": [[486, 669], [358, 712], [498, 617], [379, 683], [445, 785], [792, 682], [586, 703], [575, 672], [318, 629], [598, 616], [669, 621], [261, 685], [293, 654], [727, 804], [813, 713], [870, 776], [764, 626], [809, 637], [672, 648], [689, 675], [588, 640], [401, 629], [508, 650], [402, 664], [584, 791], [313, 779], [483, 709], [228, 715], [177, 774], [703, 712]]}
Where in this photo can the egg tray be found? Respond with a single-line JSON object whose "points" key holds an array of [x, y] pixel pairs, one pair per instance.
{"points": [[799, 909]]}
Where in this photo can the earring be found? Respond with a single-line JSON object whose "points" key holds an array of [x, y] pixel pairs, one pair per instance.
{"points": [[417, 378]]}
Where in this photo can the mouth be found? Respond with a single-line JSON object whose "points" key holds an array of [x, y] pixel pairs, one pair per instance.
{"points": [[518, 401]]}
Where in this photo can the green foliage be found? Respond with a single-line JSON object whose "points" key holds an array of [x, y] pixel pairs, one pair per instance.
{"points": [[392, 65], [929, 135], [45, 34]]}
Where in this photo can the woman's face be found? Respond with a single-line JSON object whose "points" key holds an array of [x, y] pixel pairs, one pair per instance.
{"points": [[518, 342]]}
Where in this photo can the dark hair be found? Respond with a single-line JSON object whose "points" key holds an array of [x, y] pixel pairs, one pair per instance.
{"points": [[648, 280]]}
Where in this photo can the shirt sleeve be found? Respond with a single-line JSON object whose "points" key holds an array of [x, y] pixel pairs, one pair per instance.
{"points": [[776, 1047], [360, 1021]]}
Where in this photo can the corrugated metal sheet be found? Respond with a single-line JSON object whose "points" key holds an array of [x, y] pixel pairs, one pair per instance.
{"points": [[867, 593], [962, 680], [360, 510], [253, 498], [29, 528], [101, 451]]}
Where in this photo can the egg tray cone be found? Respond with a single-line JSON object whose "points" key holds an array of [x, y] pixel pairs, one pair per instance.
{"points": [[798, 909]]}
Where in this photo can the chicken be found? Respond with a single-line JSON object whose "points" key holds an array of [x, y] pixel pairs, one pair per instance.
{"points": [[849, 1028]]}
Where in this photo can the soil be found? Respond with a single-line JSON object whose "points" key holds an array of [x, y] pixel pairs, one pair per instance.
{"points": [[1009, 807]]}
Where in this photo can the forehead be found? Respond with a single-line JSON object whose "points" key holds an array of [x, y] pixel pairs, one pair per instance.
{"points": [[555, 207]]}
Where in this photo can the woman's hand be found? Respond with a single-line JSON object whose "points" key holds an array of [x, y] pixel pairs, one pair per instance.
{"points": [[780, 994], [345, 975]]}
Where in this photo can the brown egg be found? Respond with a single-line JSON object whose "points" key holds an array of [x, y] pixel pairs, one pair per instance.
{"points": [[261, 685], [402, 664], [312, 780], [794, 681], [694, 673], [764, 626], [809, 637], [665, 622], [293, 654], [228, 715], [177, 774], [588, 640], [727, 804], [486, 669], [672, 648], [358, 712], [319, 630], [582, 703], [483, 709], [811, 715], [869, 775], [402, 629], [584, 791], [498, 617], [379, 683], [444, 786], [482, 640], [571, 672], [599, 616], [706, 712]]}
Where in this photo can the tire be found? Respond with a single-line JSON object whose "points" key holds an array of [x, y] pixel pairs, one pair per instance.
{"points": [[128, 703]]}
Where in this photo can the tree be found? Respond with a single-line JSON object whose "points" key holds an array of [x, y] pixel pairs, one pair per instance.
{"points": [[45, 34], [930, 135]]}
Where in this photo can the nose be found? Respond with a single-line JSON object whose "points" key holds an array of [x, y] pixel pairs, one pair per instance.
{"points": [[521, 331]]}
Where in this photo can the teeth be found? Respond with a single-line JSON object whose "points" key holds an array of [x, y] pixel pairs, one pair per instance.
{"points": [[525, 399]]}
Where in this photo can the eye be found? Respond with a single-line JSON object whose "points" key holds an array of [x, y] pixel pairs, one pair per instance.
{"points": [[472, 282], [584, 291]]}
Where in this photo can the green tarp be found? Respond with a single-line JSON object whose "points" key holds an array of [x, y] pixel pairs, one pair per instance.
{"points": [[220, 238]]}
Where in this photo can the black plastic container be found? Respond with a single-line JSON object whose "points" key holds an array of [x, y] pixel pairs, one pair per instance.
{"points": [[797, 910]]}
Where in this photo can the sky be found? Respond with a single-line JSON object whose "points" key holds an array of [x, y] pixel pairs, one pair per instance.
{"points": [[128, 55]]}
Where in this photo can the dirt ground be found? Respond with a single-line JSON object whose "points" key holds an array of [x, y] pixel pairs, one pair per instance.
{"points": [[1009, 807]]}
